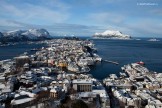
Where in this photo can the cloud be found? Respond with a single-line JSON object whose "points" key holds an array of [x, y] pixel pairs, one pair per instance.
{"points": [[107, 17], [156, 12], [83, 17], [9, 23], [76, 29], [34, 13], [55, 28], [111, 21], [57, 4], [7, 9], [148, 27], [45, 14], [145, 21]]}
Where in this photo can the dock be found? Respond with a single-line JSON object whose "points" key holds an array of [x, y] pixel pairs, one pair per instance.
{"points": [[114, 62]]}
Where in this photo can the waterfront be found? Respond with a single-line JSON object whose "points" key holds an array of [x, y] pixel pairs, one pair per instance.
{"points": [[10, 51], [123, 51], [41, 76]]}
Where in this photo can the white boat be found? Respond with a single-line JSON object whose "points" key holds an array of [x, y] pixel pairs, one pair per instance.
{"points": [[154, 40]]}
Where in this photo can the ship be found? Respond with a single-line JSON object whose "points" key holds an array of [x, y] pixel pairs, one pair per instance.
{"points": [[154, 40], [141, 63]]}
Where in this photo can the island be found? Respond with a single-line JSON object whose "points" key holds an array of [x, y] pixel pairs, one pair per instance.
{"points": [[111, 34]]}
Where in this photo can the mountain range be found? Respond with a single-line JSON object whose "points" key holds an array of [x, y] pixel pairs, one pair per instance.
{"points": [[24, 35]]}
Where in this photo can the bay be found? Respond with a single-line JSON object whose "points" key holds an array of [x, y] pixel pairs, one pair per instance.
{"points": [[126, 52], [122, 51]]}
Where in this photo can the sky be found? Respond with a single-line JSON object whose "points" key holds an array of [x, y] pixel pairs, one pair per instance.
{"points": [[138, 18]]}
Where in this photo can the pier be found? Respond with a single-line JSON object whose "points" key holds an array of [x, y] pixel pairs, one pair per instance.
{"points": [[108, 61]]}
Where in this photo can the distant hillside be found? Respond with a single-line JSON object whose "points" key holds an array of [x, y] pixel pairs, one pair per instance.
{"points": [[24, 35], [111, 34], [1, 35]]}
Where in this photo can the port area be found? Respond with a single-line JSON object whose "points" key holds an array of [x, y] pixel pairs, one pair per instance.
{"points": [[39, 80], [136, 87], [42, 79]]}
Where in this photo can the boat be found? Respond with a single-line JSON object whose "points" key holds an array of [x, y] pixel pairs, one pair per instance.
{"points": [[140, 62], [153, 39]]}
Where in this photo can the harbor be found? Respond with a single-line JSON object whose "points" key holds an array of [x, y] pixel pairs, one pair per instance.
{"points": [[48, 75], [61, 70], [136, 86], [80, 54]]}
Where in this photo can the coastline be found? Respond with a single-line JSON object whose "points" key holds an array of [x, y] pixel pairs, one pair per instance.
{"points": [[49, 72]]}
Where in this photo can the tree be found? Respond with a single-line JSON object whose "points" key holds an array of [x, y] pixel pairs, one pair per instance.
{"points": [[79, 104]]}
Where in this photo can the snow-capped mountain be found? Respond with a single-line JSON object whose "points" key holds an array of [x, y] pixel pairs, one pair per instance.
{"points": [[111, 34], [14, 33], [31, 34], [36, 33]]}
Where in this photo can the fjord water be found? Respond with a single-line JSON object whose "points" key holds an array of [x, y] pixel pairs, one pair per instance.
{"points": [[125, 52], [122, 51], [10, 51]]}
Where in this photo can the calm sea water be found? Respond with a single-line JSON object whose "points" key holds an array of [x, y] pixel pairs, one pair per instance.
{"points": [[8, 52], [122, 51], [125, 52]]}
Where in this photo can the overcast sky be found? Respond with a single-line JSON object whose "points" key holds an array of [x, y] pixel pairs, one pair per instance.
{"points": [[83, 17]]}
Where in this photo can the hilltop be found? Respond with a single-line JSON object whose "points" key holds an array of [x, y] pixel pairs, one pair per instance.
{"points": [[111, 34]]}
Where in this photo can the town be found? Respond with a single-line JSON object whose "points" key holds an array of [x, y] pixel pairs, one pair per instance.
{"points": [[57, 76]]}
